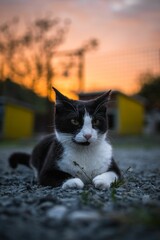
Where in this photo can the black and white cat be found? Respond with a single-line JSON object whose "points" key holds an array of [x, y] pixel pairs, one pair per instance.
{"points": [[77, 152]]}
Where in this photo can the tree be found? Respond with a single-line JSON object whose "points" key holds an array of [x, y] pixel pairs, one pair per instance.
{"points": [[30, 57], [79, 55], [150, 89]]}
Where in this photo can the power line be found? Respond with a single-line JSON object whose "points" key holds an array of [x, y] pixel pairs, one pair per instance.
{"points": [[126, 66]]}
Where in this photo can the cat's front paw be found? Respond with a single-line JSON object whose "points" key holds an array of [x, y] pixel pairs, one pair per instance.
{"points": [[73, 183], [104, 180]]}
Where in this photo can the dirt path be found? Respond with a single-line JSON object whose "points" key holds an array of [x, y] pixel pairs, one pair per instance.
{"points": [[129, 210]]}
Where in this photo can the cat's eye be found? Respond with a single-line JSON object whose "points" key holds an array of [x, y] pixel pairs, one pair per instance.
{"points": [[75, 122], [96, 122]]}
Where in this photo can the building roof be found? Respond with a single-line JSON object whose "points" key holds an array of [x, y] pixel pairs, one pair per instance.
{"points": [[90, 95], [6, 100]]}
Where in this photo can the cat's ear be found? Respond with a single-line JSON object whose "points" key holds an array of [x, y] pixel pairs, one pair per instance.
{"points": [[104, 98], [63, 101], [100, 103], [59, 96]]}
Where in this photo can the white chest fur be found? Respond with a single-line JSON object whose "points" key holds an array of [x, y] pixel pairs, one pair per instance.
{"points": [[86, 162]]}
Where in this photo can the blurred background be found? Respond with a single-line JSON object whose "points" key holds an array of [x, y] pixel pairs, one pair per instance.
{"points": [[83, 48]]}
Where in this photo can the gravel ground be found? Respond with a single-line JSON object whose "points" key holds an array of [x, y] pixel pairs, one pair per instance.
{"points": [[129, 210]]}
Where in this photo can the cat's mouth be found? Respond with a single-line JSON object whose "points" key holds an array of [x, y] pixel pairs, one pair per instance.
{"points": [[82, 143]]}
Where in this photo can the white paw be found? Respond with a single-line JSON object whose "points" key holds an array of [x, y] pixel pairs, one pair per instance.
{"points": [[73, 183], [104, 180]]}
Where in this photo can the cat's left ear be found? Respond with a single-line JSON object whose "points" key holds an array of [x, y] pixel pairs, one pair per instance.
{"points": [[59, 96]]}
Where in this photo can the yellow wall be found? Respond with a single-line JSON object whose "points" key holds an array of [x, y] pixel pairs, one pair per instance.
{"points": [[130, 114], [18, 121]]}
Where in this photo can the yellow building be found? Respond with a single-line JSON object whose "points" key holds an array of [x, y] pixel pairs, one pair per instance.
{"points": [[131, 115], [16, 120], [125, 114]]}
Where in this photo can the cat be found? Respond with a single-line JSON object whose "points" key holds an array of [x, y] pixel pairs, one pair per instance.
{"points": [[77, 152]]}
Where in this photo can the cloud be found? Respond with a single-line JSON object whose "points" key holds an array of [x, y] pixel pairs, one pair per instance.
{"points": [[123, 5], [117, 23]]}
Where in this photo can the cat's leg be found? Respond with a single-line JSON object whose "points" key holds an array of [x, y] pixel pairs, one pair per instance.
{"points": [[54, 178], [104, 180], [73, 183]]}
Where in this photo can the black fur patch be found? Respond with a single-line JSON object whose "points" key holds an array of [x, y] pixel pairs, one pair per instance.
{"points": [[66, 111], [114, 168], [19, 158]]}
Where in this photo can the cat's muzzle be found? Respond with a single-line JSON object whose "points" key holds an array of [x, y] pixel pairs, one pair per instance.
{"points": [[81, 143]]}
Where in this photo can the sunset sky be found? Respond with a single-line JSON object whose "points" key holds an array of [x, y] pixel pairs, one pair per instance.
{"points": [[119, 25]]}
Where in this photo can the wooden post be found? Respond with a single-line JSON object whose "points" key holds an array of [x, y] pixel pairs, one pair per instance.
{"points": [[81, 70], [159, 59]]}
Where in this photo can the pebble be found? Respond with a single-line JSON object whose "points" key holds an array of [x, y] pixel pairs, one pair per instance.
{"points": [[84, 216], [46, 205], [146, 198], [72, 209], [58, 212]]}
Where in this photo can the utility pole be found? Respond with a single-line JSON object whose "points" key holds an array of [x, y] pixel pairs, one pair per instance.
{"points": [[80, 54], [159, 59], [81, 64]]}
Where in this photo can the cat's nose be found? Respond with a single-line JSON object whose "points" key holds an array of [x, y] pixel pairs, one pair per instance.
{"points": [[87, 136]]}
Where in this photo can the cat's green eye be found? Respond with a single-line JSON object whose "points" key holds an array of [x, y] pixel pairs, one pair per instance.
{"points": [[74, 122], [96, 122]]}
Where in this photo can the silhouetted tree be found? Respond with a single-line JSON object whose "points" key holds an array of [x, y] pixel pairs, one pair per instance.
{"points": [[150, 89], [77, 60], [29, 57]]}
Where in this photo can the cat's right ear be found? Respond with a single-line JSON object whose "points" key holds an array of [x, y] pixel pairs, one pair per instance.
{"points": [[63, 101], [59, 96]]}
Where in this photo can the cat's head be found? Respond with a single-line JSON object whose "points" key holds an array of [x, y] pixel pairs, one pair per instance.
{"points": [[81, 122]]}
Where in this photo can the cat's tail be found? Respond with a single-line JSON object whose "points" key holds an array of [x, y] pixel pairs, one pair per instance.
{"points": [[19, 158]]}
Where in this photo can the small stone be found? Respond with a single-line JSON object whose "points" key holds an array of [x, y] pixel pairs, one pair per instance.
{"points": [[146, 198], [130, 169], [57, 212], [46, 205], [84, 216]]}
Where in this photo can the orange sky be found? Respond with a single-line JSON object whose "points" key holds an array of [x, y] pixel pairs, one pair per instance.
{"points": [[119, 25]]}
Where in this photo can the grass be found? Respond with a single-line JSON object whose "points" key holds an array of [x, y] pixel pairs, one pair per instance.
{"points": [[82, 170], [148, 216], [118, 183], [85, 197]]}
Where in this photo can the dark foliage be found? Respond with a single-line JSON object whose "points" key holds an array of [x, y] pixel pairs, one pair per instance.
{"points": [[150, 89]]}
